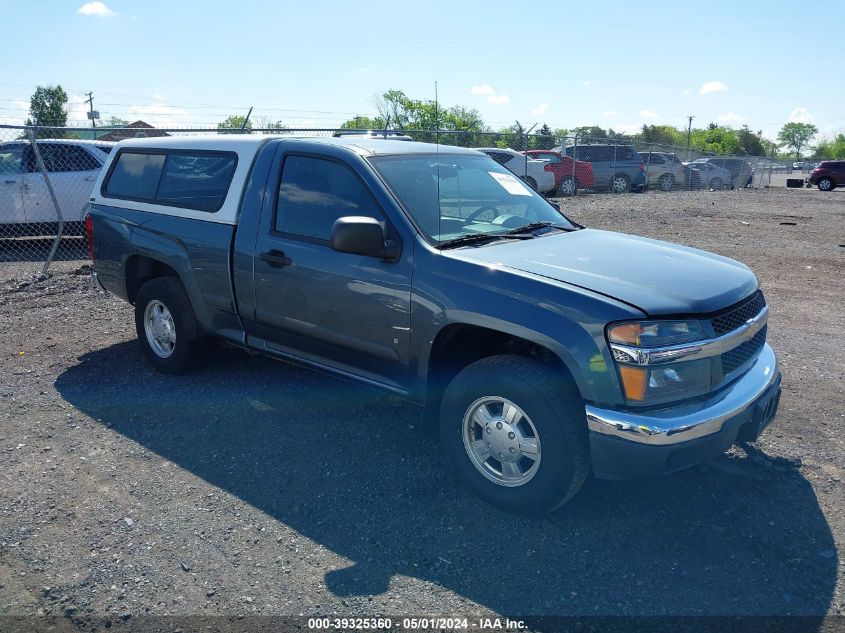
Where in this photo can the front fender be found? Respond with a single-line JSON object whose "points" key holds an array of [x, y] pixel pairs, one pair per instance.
{"points": [[567, 320]]}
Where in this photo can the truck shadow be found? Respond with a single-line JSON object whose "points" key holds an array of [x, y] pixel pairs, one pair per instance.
{"points": [[358, 473]]}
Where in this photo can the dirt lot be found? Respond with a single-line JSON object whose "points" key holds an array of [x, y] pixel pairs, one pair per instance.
{"points": [[257, 487]]}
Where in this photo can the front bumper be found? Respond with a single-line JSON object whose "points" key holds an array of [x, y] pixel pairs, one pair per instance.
{"points": [[627, 444]]}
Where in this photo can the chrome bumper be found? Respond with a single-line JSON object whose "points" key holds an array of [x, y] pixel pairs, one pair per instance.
{"points": [[691, 421]]}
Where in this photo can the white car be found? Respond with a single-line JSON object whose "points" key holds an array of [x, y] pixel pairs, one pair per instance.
{"points": [[72, 166], [533, 172]]}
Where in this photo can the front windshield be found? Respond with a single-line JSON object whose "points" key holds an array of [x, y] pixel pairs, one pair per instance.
{"points": [[451, 196]]}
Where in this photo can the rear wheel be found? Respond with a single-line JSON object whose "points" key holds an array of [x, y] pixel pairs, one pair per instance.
{"points": [[167, 328], [515, 433], [825, 184], [666, 182], [716, 183], [621, 183], [567, 187]]}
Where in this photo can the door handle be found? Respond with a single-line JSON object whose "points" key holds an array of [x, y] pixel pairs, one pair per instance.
{"points": [[275, 258], [89, 179], [10, 182]]}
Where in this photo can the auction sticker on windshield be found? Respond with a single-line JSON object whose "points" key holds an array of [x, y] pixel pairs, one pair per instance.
{"points": [[510, 184]]}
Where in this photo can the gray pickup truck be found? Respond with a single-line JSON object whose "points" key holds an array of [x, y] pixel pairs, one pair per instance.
{"points": [[544, 350]]}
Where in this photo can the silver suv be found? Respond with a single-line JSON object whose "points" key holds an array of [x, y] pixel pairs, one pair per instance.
{"points": [[664, 170]]}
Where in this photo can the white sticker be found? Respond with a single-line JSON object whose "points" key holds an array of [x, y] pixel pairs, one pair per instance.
{"points": [[510, 184]]}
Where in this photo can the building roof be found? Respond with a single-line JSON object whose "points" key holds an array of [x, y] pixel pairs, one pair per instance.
{"points": [[138, 129]]}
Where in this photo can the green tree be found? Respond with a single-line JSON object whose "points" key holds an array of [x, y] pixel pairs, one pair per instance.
{"points": [[750, 143], [363, 123], [542, 138], [48, 107], [589, 133], [715, 139], [662, 135], [234, 124], [797, 135], [831, 148], [116, 121]]}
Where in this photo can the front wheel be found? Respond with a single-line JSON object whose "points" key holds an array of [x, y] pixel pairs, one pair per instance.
{"points": [[666, 182], [515, 433], [825, 184], [716, 183], [167, 328]]}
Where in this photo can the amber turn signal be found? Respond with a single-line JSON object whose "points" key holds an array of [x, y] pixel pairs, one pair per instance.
{"points": [[634, 381]]}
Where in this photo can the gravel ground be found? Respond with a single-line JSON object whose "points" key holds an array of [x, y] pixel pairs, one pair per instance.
{"points": [[255, 487]]}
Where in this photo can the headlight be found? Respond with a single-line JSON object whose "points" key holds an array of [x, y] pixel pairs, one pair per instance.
{"points": [[655, 333], [651, 368]]}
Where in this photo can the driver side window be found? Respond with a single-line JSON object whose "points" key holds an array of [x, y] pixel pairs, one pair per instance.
{"points": [[314, 192]]}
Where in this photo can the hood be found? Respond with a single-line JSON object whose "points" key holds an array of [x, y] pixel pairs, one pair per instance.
{"points": [[656, 277]]}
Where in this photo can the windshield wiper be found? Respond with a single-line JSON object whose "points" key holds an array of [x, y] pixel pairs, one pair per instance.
{"points": [[533, 226], [478, 238]]}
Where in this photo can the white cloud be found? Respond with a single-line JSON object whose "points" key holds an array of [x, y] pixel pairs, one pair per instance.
{"points": [[801, 115], [710, 87], [540, 109], [730, 117], [77, 110], [159, 97], [628, 128], [687, 92], [484, 89], [499, 99], [648, 114], [95, 8], [17, 114], [586, 82], [608, 113]]}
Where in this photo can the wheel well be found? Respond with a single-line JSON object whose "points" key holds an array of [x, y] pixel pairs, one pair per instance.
{"points": [[139, 269], [459, 345]]}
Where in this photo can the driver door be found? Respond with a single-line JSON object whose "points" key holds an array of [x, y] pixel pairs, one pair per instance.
{"points": [[348, 312]]}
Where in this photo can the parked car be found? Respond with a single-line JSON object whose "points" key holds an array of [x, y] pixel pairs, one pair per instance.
{"points": [[72, 166], [570, 175], [740, 169], [829, 175], [664, 170], [708, 175], [532, 172], [543, 350], [801, 165], [616, 168]]}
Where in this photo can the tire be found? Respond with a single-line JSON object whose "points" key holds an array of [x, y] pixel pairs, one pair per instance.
{"points": [[547, 407], [716, 183], [530, 182], [666, 182], [825, 184], [620, 184], [162, 307], [567, 187]]}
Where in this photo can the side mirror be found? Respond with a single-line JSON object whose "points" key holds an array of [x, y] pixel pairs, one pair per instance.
{"points": [[358, 235]]}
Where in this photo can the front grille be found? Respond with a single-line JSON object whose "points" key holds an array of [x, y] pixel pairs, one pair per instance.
{"points": [[733, 318], [740, 354]]}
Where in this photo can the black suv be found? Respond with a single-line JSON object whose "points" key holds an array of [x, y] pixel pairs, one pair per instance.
{"points": [[616, 168], [829, 175]]}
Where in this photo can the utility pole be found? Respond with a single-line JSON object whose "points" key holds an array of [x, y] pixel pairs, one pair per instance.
{"points": [[91, 109], [689, 134]]}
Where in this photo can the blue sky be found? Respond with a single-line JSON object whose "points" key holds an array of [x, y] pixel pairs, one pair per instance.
{"points": [[317, 63]]}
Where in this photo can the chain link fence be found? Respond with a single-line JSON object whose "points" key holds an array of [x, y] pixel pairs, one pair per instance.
{"points": [[46, 174]]}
